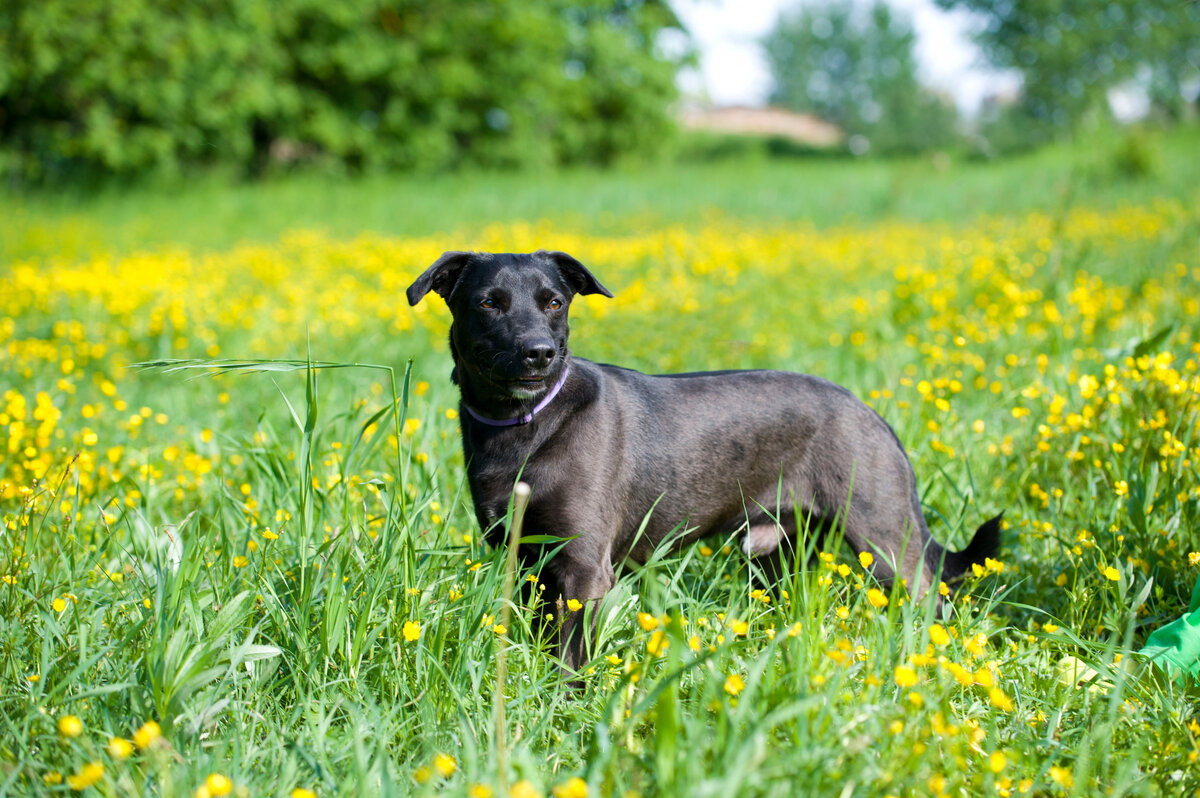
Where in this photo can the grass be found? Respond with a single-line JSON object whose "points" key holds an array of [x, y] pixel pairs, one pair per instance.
{"points": [[269, 580], [207, 214]]}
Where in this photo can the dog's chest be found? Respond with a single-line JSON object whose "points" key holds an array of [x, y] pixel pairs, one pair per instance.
{"points": [[494, 463]]}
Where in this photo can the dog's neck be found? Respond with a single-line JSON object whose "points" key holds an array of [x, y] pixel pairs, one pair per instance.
{"points": [[524, 418]]}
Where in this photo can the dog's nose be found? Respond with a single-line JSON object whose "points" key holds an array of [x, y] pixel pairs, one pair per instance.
{"points": [[539, 353]]}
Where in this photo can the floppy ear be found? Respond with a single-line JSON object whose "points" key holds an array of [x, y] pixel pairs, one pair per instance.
{"points": [[575, 273], [442, 276]]}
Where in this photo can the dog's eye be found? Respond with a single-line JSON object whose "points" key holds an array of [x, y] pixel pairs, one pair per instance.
{"points": [[488, 303], [554, 304]]}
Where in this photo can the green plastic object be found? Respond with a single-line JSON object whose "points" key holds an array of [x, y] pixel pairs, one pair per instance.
{"points": [[1176, 646]]}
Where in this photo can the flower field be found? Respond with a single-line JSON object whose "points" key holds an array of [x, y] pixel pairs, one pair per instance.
{"points": [[260, 578]]}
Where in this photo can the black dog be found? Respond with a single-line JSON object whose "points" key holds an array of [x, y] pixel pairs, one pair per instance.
{"points": [[718, 451]]}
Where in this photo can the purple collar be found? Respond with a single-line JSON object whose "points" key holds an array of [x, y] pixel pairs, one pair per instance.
{"points": [[525, 419]]}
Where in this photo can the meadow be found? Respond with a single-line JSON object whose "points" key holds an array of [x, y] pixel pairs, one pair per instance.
{"points": [[263, 576]]}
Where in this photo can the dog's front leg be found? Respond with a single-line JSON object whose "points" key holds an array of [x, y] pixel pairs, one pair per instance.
{"points": [[579, 578]]}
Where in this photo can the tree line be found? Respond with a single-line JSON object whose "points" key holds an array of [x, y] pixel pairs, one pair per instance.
{"points": [[137, 86]]}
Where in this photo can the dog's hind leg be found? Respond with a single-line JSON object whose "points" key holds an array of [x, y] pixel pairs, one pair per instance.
{"points": [[898, 550]]}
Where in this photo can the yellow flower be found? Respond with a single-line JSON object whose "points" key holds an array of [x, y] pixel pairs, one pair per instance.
{"points": [[119, 748], [647, 621], [905, 676], [147, 734], [997, 761], [445, 765], [939, 635], [657, 643], [1112, 574], [573, 787], [303, 792], [218, 785], [1121, 488], [500, 629], [523, 789], [240, 562], [70, 726], [1000, 700], [479, 791], [865, 558], [52, 778], [976, 644], [877, 598], [58, 604], [739, 628], [412, 630], [423, 774], [88, 775], [734, 684], [574, 605], [1062, 776]]}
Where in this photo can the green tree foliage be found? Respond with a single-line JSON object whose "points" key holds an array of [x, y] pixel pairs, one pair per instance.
{"points": [[854, 66], [144, 85], [1071, 52]]}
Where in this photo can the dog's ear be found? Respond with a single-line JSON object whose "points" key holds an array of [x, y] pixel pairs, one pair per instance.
{"points": [[575, 273], [441, 277]]}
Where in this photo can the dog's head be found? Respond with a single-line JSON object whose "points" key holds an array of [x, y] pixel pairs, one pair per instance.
{"points": [[509, 334]]}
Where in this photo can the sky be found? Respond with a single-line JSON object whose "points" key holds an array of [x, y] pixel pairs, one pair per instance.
{"points": [[733, 69]]}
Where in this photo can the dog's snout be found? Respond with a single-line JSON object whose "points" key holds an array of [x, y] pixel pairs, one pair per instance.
{"points": [[539, 353]]}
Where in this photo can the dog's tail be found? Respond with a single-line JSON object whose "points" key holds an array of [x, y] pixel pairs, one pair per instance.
{"points": [[985, 544]]}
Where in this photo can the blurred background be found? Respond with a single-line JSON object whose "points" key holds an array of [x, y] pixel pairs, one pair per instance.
{"points": [[250, 88]]}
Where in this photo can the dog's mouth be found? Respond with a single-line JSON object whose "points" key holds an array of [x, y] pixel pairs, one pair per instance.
{"points": [[526, 387]]}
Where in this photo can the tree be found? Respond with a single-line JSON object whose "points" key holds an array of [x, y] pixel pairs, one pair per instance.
{"points": [[1072, 52], [155, 85], [854, 66]]}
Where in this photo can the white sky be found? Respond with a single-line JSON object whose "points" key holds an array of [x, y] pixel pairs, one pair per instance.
{"points": [[733, 69]]}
